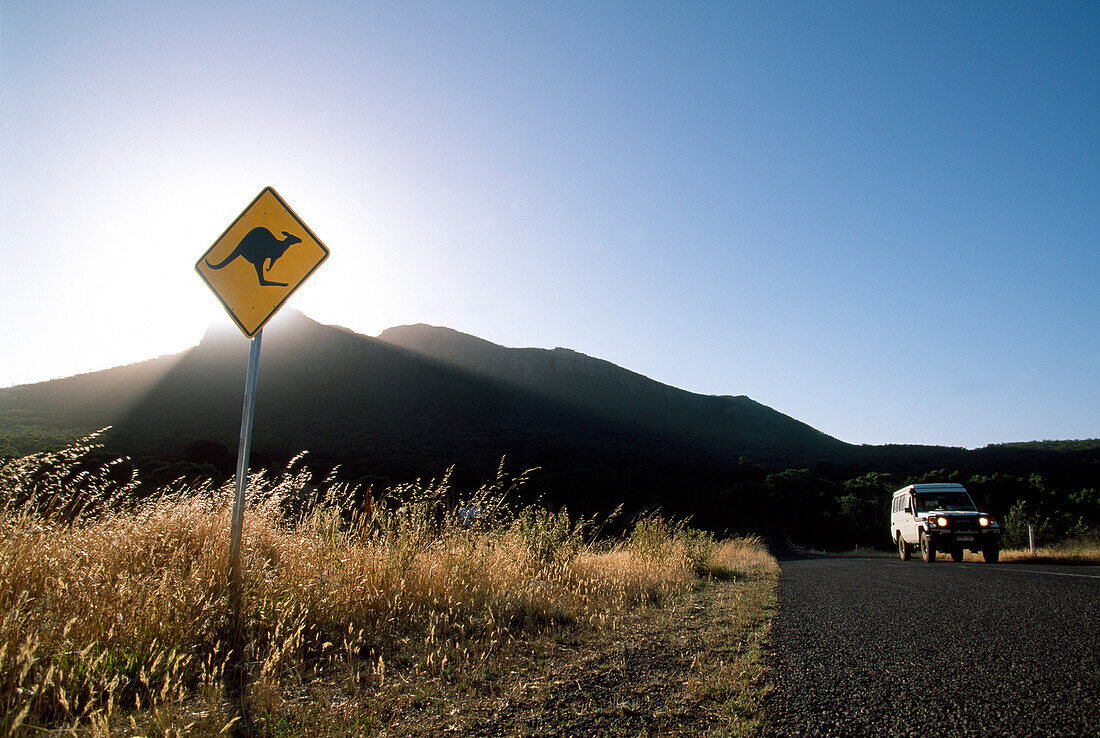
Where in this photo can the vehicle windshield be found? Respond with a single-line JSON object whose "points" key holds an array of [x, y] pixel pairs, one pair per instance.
{"points": [[927, 501]]}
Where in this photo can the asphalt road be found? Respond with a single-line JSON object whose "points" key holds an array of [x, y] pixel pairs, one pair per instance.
{"points": [[877, 647]]}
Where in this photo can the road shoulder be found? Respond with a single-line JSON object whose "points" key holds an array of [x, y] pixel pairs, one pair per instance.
{"points": [[692, 666]]}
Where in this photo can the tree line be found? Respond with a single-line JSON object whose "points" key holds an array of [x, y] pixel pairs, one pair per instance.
{"points": [[824, 506], [837, 515]]}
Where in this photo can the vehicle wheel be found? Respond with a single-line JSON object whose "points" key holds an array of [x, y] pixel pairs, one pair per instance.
{"points": [[927, 548], [991, 552], [903, 548], [957, 554]]}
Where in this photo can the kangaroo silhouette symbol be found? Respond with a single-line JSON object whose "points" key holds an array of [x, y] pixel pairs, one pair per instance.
{"points": [[258, 247]]}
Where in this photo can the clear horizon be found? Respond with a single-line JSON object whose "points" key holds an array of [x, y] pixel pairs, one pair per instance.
{"points": [[878, 218]]}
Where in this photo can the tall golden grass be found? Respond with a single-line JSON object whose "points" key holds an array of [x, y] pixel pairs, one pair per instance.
{"points": [[114, 614], [1083, 550]]}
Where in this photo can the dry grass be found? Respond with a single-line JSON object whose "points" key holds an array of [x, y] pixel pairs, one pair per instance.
{"points": [[736, 674], [114, 615], [1077, 551], [740, 558]]}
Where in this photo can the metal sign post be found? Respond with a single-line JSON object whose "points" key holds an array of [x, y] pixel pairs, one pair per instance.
{"points": [[237, 673], [238, 267], [237, 525]]}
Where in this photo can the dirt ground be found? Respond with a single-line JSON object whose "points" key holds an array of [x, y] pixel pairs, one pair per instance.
{"points": [[692, 666]]}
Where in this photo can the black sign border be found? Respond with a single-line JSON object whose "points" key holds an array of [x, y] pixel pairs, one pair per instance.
{"points": [[282, 302]]}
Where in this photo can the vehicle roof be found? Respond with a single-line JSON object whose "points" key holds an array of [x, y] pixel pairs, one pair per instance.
{"points": [[930, 486]]}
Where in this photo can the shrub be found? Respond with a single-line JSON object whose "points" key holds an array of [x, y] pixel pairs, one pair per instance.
{"points": [[1050, 527]]}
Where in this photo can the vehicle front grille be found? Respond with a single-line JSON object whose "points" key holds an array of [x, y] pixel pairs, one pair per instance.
{"points": [[965, 524]]}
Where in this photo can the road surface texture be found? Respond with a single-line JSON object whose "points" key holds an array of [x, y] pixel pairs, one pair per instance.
{"points": [[878, 647]]}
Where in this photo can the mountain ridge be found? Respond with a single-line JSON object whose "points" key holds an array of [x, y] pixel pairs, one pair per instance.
{"points": [[357, 398], [418, 399], [599, 385], [452, 345]]}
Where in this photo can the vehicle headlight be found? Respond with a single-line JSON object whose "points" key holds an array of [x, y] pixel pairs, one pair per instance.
{"points": [[941, 521], [983, 521]]}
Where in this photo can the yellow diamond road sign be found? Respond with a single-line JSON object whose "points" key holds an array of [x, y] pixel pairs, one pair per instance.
{"points": [[262, 257]]}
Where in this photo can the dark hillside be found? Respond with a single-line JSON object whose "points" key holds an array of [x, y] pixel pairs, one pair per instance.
{"points": [[352, 398], [384, 411], [611, 392], [48, 414]]}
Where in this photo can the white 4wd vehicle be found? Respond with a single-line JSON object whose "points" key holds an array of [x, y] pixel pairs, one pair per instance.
{"points": [[941, 517]]}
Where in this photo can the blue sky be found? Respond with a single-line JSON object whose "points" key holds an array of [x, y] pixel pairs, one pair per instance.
{"points": [[880, 218]]}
